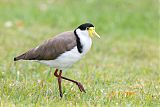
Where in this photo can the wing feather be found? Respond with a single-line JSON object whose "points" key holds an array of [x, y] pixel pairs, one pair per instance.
{"points": [[50, 49]]}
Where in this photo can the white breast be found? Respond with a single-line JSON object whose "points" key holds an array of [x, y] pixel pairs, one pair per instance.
{"points": [[85, 40]]}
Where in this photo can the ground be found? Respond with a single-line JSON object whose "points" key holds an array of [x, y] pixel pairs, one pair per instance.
{"points": [[121, 69]]}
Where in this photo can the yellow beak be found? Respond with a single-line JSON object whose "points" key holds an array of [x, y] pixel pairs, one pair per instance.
{"points": [[92, 32]]}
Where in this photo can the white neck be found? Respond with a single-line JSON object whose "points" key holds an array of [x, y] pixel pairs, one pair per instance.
{"points": [[85, 40]]}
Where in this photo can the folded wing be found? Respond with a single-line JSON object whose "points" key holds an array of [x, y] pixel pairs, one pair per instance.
{"points": [[50, 49]]}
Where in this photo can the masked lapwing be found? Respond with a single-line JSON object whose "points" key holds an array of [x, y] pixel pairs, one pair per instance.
{"points": [[63, 50]]}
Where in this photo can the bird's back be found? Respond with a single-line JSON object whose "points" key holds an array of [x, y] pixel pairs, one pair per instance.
{"points": [[50, 49]]}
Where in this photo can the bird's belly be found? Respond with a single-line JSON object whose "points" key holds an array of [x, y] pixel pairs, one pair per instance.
{"points": [[65, 60]]}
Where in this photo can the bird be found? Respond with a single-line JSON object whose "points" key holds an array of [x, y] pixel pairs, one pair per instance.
{"points": [[62, 51]]}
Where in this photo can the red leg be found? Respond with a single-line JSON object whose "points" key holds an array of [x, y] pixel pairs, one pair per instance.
{"points": [[55, 73], [59, 81], [80, 86]]}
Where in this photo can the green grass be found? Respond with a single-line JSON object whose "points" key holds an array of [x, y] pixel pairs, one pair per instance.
{"points": [[122, 68]]}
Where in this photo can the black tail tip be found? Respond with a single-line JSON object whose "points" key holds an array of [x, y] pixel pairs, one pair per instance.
{"points": [[15, 59]]}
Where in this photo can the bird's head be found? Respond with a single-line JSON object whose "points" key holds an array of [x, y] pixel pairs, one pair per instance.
{"points": [[89, 28]]}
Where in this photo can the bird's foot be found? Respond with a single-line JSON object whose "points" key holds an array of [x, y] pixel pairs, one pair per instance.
{"points": [[61, 95], [80, 86]]}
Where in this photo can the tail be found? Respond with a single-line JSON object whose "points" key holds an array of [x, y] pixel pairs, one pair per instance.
{"points": [[20, 57]]}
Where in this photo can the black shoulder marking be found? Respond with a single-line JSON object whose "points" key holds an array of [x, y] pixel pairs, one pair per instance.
{"points": [[79, 45]]}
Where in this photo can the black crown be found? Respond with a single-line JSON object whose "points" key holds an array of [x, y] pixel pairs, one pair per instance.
{"points": [[85, 26]]}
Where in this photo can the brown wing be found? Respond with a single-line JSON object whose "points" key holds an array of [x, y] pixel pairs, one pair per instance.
{"points": [[51, 48]]}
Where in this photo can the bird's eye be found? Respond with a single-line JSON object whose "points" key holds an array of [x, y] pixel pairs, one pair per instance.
{"points": [[87, 28]]}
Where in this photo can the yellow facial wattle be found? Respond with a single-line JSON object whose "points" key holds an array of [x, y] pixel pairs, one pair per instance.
{"points": [[92, 32]]}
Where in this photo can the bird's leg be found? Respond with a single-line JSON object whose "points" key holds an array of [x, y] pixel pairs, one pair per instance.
{"points": [[55, 73], [59, 81], [80, 86]]}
